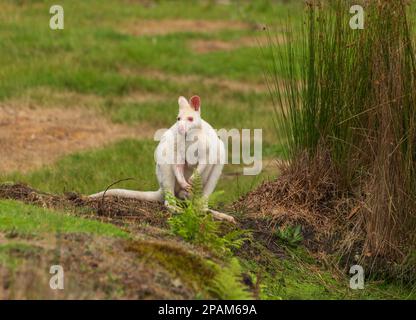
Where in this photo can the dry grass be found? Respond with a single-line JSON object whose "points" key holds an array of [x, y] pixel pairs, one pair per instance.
{"points": [[357, 103], [306, 193]]}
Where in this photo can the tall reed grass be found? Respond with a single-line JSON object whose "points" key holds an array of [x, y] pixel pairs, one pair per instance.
{"points": [[352, 94]]}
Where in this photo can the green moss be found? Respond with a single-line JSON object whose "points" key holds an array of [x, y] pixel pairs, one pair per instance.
{"points": [[23, 219], [227, 284], [192, 269], [299, 276], [221, 280], [12, 253]]}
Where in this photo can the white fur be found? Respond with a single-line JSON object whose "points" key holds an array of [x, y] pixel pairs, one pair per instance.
{"points": [[176, 178]]}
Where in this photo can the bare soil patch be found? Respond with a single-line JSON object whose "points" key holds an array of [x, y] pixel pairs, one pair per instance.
{"points": [[33, 136], [206, 46], [97, 268], [163, 27], [223, 84], [119, 211], [48, 97]]}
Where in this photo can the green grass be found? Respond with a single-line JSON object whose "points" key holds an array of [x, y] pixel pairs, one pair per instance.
{"points": [[87, 54], [252, 113], [92, 171], [22, 219], [94, 56], [300, 277]]}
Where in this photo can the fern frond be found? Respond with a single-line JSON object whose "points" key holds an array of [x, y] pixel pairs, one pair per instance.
{"points": [[196, 190], [227, 284]]}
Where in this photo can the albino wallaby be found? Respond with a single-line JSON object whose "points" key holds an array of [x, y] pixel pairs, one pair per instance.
{"points": [[176, 176]]}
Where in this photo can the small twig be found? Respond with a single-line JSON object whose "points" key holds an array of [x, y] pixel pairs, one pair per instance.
{"points": [[114, 183]]}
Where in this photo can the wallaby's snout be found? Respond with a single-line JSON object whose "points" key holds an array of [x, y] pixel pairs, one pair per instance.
{"points": [[182, 127]]}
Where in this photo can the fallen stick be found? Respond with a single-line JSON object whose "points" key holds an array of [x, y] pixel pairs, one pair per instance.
{"points": [[221, 216]]}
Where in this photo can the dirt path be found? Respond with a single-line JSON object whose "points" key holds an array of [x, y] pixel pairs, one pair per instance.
{"points": [[162, 27], [212, 45], [224, 84], [32, 137]]}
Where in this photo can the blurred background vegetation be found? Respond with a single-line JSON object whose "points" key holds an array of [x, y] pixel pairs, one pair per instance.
{"points": [[130, 71]]}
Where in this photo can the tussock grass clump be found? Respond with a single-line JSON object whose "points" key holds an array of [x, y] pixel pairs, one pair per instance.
{"points": [[351, 94]]}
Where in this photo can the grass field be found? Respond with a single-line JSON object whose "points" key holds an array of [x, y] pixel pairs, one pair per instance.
{"points": [[99, 62], [106, 83]]}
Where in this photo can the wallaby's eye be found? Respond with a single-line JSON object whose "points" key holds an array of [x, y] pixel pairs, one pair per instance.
{"points": [[179, 118], [190, 119]]}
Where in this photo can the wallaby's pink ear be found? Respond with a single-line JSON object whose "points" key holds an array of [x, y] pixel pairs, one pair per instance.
{"points": [[195, 102]]}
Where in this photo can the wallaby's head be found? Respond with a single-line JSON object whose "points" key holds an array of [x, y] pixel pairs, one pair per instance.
{"points": [[189, 116]]}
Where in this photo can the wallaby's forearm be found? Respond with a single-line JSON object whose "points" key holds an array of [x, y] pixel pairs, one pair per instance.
{"points": [[180, 177]]}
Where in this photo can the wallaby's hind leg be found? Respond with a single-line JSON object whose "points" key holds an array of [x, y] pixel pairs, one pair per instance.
{"points": [[206, 174], [209, 187], [166, 178], [212, 180]]}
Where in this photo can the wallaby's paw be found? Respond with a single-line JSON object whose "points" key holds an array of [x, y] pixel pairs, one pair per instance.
{"points": [[183, 194], [186, 186], [171, 208], [167, 204]]}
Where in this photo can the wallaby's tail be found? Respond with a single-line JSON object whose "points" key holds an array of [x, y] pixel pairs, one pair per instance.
{"points": [[140, 195]]}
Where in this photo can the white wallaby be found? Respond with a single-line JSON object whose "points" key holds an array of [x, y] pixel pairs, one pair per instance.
{"points": [[175, 161]]}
